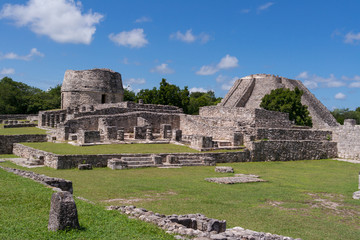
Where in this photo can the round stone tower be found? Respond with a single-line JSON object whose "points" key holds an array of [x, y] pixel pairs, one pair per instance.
{"points": [[91, 87]]}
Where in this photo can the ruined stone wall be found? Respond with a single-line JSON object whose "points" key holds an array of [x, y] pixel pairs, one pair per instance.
{"points": [[291, 134], [7, 141], [17, 116], [348, 138], [283, 150]]}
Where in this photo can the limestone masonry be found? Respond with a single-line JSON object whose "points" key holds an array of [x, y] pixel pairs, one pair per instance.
{"points": [[93, 113]]}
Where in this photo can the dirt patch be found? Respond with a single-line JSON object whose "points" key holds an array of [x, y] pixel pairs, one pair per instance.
{"points": [[146, 198]]}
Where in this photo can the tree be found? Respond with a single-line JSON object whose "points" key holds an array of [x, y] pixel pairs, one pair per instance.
{"points": [[201, 99], [129, 95], [288, 101], [344, 113]]}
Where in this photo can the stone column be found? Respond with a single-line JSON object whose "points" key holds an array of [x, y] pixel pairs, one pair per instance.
{"points": [[62, 117], [176, 135], [52, 120], [149, 135], [57, 119], [120, 134], [43, 119], [48, 120]]}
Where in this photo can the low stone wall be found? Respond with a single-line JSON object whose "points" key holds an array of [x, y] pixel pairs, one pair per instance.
{"points": [[17, 116], [283, 150], [7, 141], [348, 138], [62, 184], [20, 125], [72, 161]]}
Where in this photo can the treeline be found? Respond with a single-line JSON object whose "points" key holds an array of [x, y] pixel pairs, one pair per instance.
{"points": [[170, 94], [19, 98], [344, 113]]}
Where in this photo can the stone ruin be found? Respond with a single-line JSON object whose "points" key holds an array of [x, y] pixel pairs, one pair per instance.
{"points": [[236, 123]]}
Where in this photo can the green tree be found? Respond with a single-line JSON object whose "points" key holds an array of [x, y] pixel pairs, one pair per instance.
{"points": [[344, 113], [129, 95], [288, 101], [201, 99]]}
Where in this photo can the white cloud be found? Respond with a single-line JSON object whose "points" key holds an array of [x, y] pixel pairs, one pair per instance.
{"points": [[143, 19], [7, 71], [340, 96], [13, 56], [313, 81], [220, 78], [137, 81], [352, 37], [133, 39], [61, 20], [189, 37], [228, 62], [196, 89], [264, 6], [354, 85], [162, 69], [245, 10], [225, 63]]}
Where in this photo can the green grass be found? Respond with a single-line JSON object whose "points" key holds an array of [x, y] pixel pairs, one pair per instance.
{"points": [[23, 130], [25, 205], [67, 149], [288, 204], [8, 156]]}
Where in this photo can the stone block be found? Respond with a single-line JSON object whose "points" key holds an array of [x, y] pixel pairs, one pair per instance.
{"points": [[85, 167], [349, 122], [176, 135], [224, 169], [201, 142], [121, 134], [208, 161], [149, 135], [156, 159], [63, 213], [165, 129], [172, 159], [139, 132], [116, 163], [237, 139], [88, 136], [111, 133]]}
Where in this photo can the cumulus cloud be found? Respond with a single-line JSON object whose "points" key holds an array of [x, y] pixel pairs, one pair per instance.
{"points": [[352, 38], [225, 63], [264, 6], [162, 69], [340, 96], [7, 71], [13, 56], [133, 39], [246, 10], [61, 20], [313, 81], [355, 81], [137, 81], [143, 19], [189, 37], [197, 89], [226, 81]]}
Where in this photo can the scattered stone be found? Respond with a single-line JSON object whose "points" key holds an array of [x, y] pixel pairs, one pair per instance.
{"points": [[85, 167], [356, 195], [224, 169], [63, 213], [195, 225], [239, 178]]}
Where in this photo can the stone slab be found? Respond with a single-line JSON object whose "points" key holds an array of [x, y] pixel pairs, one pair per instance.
{"points": [[239, 178]]}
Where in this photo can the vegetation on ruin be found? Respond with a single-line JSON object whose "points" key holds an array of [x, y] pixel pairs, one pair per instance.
{"points": [[25, 205], [19, 98], [303, 199], [288, 101], [22, 131], [341, 114]]}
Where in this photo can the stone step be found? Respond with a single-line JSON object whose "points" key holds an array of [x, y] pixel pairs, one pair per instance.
{"points": [[141, 166], [192, 164], [190, 161], [137, 159], [132, 163]]}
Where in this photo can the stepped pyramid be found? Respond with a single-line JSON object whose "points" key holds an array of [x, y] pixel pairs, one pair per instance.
{"points": [[248, 91]]}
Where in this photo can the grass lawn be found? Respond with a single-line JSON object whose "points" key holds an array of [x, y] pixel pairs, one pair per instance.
{"points": [[303, 199], [8, 156], [25, 205], [23, 130], [67, 149]]}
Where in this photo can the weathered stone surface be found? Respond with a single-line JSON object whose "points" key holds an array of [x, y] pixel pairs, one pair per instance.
{"points": [[224, 169], [356, 195], [347, 137], [7, 141], [85, 167], [239, 178], [196, 225], [63, 213]]}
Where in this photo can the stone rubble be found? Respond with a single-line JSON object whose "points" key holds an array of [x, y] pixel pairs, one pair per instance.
{"points": [[224, 169], [196, 226], [58, 183], [239, 178]]}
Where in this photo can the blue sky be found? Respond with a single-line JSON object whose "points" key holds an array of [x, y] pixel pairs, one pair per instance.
{"points": [[202, 44]]}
